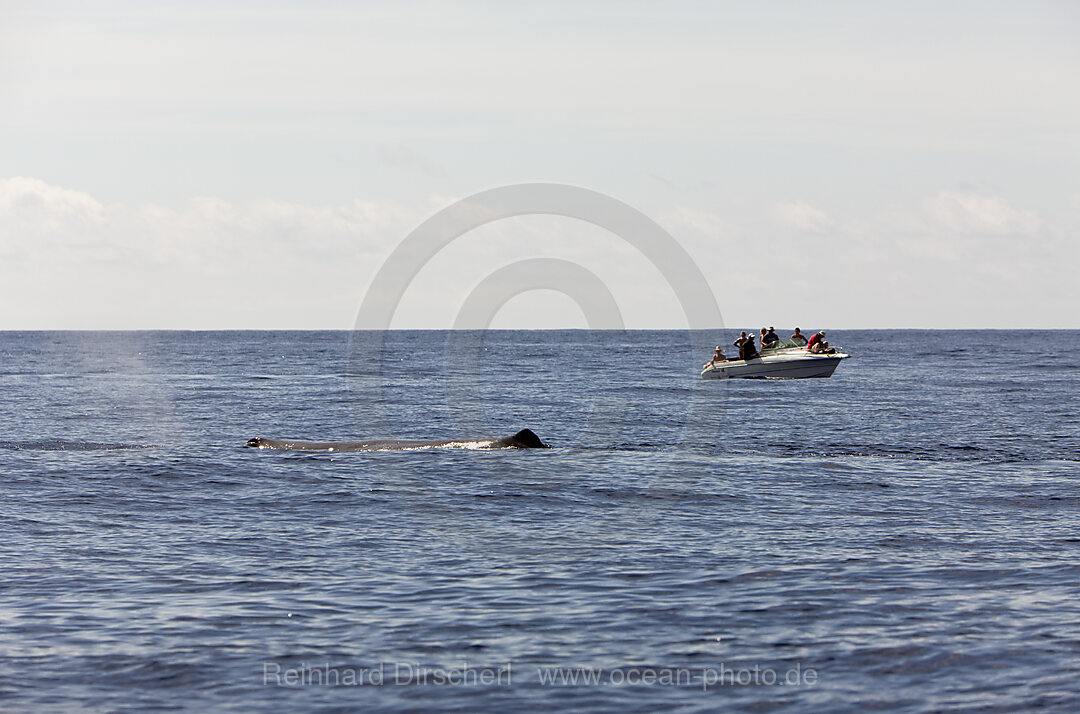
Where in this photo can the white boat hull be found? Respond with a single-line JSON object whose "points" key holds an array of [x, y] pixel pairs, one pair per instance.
{"points": [[787, 364]]}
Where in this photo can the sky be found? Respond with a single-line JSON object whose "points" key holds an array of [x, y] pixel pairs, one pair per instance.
{"points": [[836, 165]]}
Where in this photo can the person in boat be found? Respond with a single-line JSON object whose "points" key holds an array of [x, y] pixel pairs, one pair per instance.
{"points": [[745, 343], [740, 342], [817, 343], [770, 338], [718, 356], [799, 336]]}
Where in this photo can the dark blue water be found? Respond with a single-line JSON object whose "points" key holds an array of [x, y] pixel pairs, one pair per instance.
{"points": [[907, 531]]}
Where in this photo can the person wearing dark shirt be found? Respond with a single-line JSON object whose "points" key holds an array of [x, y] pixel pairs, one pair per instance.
{"points": [[749, 348], [769, 338], [746, 346], [745, 343]]}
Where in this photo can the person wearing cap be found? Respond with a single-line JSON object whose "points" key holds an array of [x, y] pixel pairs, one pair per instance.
{"points": [[817, 342], [745, 343], [769, 338], [798, 336]]}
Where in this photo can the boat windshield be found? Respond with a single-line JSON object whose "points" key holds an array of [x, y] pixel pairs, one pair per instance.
{"points": [[785, 345]]}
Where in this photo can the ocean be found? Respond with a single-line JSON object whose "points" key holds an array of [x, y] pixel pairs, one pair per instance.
{"points": [[903, 537]]}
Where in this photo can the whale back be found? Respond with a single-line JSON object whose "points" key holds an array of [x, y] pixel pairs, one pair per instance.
{"points": [[524, 439]]}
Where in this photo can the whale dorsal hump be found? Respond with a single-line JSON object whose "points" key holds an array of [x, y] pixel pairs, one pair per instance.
{"points": [[526, 439]]}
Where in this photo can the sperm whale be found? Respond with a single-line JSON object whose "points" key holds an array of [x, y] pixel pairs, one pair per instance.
{"points": [[524, 439]]}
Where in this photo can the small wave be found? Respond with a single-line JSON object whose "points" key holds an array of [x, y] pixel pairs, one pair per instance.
{"points": [[63, 445], [628, 446], [1031, 501], [489, 444], [945, 453], [470, 445], [481, 445]]}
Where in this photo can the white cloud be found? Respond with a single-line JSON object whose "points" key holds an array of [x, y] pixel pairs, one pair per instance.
{"points": [[704, 222], [32, 211], [801, 216], [32, 203], [71, 261], [973, 213]]}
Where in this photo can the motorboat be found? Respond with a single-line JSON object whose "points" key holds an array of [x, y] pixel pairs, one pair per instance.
{"points": [[786, 359]]}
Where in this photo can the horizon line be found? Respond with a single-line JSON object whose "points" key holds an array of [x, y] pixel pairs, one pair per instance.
{"points": [[520, 329]]}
